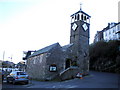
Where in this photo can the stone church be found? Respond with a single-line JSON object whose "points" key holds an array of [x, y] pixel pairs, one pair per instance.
{"points": [[63, 62]]}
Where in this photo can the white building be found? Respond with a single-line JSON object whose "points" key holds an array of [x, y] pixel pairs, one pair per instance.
{"points": [[112, 32]]}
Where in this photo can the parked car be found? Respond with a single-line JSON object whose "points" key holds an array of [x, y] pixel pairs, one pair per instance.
{"points": [[17, 76]]}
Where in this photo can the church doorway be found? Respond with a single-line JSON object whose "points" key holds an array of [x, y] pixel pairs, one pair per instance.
{"points": [[67, 63]]}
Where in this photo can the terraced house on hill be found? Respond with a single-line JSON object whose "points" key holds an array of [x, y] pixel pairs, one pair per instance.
{"points": [[64, 62]]}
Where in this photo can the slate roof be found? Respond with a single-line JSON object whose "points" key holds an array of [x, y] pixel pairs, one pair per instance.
{"points": [[44, 50], [64, 48], [107, 28], [80, 11]]}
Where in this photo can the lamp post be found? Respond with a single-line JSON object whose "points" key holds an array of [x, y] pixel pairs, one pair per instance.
{"points": [[3, 58]]}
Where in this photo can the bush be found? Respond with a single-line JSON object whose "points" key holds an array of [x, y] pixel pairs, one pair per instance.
{"points": [[104, 55]]}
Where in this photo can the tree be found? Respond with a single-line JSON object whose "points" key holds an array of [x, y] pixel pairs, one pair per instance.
{"points": [[21, 65], [104, 54], [7, 64]]}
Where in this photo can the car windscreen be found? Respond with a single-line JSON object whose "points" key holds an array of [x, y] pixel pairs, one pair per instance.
{"points": [[21, 73]]}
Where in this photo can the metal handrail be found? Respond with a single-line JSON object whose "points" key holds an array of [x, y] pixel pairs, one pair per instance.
{"points": [[109, 67], [118, 69]]}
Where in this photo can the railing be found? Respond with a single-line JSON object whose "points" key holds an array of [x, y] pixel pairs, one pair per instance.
{"points": [[64, 71], [67, 70], [109, 67], [117, 70]]}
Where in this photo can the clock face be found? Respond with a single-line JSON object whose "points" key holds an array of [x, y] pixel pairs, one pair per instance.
{"points": [[74, 27], [85, 27]]}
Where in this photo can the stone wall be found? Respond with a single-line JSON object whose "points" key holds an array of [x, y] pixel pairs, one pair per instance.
{"points": [[56, 57], [69, 73], [36, 66], [80, 49]]}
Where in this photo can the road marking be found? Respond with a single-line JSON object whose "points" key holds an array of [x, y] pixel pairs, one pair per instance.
{"points": [[54, 87], [72, 86]]}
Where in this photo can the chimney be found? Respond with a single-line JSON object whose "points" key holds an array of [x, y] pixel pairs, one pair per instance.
{"points": [[109, 25]]}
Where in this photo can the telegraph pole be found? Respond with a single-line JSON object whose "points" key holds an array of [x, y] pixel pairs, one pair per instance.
{"points": [[3, 55], [3, 59]]}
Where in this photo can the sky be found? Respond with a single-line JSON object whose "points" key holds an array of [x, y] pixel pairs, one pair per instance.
{"points": [[33, 24]]}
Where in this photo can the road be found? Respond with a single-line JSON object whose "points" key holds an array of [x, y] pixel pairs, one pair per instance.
{"points": [[94, 80]]}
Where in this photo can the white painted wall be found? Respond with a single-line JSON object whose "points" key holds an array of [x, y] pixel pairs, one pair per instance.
{"points": [[111, 34]]}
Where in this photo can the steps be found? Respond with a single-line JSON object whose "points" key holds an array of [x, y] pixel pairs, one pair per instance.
{"points": [[68, 73]]}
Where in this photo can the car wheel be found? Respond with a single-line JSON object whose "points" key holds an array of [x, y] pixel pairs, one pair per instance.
{"points": [[27, 82], [8, 81], [13, 82]]}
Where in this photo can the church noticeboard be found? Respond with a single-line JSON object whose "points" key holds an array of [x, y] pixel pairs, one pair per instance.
{"points": [[53, 68]]}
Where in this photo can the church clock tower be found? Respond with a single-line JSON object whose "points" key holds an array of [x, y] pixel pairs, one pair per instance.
{"points": [[80, 26]]}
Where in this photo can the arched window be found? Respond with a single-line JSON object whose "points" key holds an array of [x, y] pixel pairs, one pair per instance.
{"points": [[85, 18], [75, 17], [82, 17], [78, 17]]}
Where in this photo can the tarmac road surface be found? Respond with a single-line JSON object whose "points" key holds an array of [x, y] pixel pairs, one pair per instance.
{"points": [[94, 80]]}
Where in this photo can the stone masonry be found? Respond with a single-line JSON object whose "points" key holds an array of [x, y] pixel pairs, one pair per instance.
{"points": [[63, 62]]}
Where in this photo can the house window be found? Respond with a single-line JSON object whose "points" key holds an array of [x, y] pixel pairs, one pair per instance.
{"points": [[119, 35], [113, 30], [105, 33], [119, 27], [109, 31], [53, 68]]}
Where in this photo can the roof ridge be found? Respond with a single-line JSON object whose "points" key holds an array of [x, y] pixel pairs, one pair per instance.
{"points": [[80, 11], [43, 50], [49, 46]]}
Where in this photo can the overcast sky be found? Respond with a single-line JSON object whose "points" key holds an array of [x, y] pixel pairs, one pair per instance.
{"points": [[33, 24]]}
